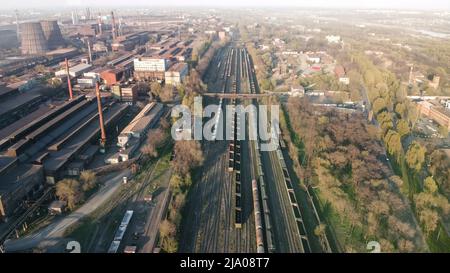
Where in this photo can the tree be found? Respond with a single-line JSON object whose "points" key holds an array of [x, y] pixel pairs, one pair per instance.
{"points": [[400, 109], [443, 131], [378, 105], [403, 127], [149, 150], [69, 190], [385, 120], [415, 156], [155, 88], [430, 185], [266, 84], [429, 219], [166, 93], [405, 245], [394, 145], [154, 140], [170, 245], [40, 69], [440, 169], [188, 155], [88, 179], [167, 229]]}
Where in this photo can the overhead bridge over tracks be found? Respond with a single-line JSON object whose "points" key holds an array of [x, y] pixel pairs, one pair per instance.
{"points": [[241, 96]]}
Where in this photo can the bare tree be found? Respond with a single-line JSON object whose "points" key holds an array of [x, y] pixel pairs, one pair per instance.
{"points": [[188, 155]]}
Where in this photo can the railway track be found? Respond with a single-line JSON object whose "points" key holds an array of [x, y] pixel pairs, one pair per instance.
{"points": [[284, 232]]}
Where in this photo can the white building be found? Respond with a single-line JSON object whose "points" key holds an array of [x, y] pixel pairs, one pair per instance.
{"points": [[344, 80], [150, 64], [314, 59], [333, 39], [87, 82], [297, 91], [74, 71]]}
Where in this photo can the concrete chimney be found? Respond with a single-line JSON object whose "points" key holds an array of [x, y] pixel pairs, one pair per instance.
{"points": [[100, 24], [114, 31], [89, 50]]}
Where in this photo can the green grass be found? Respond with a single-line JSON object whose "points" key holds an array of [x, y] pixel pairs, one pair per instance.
{"points": [[83, 232], [439, 244]]}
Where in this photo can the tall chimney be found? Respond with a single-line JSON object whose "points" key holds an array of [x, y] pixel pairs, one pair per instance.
{"points": [[17, 25], [120, 27], [69, 84], [114, 32], [100, 24], [89, 50], [100, 115]]}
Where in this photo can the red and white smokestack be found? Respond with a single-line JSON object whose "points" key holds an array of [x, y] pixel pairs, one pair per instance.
{"points": [[69, 84], [100, 115]]}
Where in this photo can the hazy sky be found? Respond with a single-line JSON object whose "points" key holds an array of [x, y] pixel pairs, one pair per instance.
{"points": [[398, 4]]}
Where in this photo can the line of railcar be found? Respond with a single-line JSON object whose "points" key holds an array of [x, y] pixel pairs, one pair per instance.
{"points": [[120, 233]]}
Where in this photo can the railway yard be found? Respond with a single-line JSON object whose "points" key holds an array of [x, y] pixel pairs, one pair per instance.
{"points": [[220, 214]]}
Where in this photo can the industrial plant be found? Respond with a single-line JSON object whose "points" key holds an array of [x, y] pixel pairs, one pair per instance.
{"points": [[224, 130]]}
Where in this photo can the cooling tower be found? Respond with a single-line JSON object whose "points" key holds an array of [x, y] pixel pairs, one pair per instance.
{"points": [[33, 39], [52, 34]]}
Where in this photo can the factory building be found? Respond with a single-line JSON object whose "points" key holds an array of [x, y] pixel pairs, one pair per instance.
{"points": [[74, 71], [116, 91], [64, 139], [129, 94], [435, 111], [125, 93], [176, 73], [150, 68], [15, 104], [129, 140], [130, 42], [140, 124], [112, 76], [19, 183], [86, 82]]}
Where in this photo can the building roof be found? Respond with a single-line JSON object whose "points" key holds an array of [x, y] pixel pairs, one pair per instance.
{"points": [[177, 67], [14, 178], [5, 90], [143, 119]]}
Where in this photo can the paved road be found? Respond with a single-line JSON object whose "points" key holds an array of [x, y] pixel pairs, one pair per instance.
{"points": [[53, 233]]}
